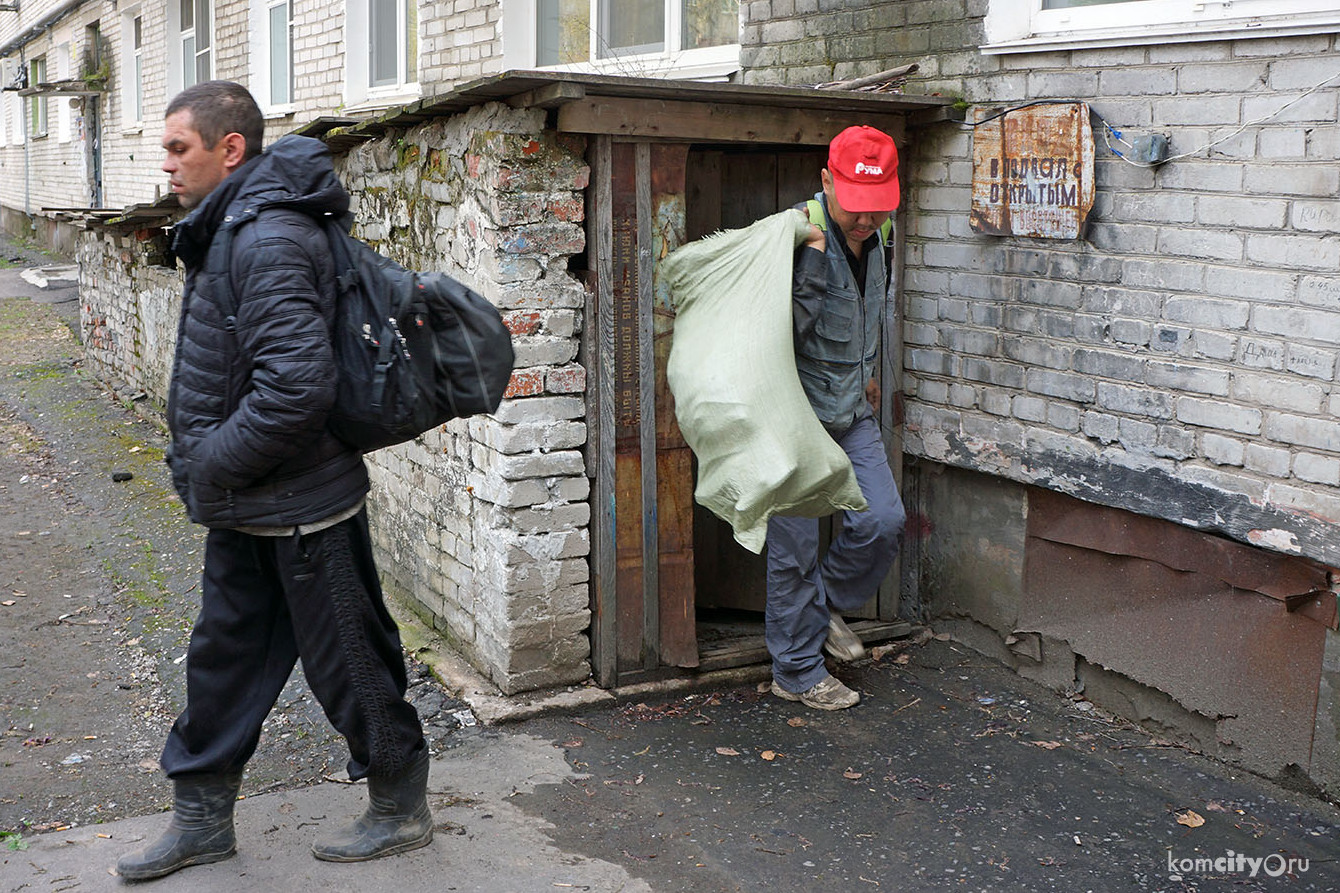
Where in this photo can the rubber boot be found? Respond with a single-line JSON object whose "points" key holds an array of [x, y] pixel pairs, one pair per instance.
{"points": [[201, 829], [396, 820]]}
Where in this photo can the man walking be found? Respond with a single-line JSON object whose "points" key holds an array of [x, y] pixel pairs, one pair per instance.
{"points": [[841, 276], [288, 569]]}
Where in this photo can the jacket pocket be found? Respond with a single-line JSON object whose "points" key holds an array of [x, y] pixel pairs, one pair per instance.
{"points": [[837, 319]]}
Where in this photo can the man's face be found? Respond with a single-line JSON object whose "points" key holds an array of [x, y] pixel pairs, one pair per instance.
{"points": [[856, 227], [193, 170]]}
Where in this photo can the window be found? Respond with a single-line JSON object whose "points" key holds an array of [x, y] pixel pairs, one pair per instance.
{"points": [[280, 19], [195, 39], [1024, 25], [64, 63], [393, 42], [382, 39], [686, 38], [6, 78], [272, 54], [132, 80], [37, 105]]}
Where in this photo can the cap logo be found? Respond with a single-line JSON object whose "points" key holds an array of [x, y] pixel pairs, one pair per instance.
{"points": [[863, 168]]}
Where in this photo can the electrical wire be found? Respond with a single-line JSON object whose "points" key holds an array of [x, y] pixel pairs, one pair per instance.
{"points": [[1110, 132]]}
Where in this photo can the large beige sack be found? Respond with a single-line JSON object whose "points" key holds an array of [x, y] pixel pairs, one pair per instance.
{"points": [[761, 450]]}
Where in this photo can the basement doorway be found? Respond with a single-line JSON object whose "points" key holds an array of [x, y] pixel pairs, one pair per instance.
{"points": [[671, 592]]}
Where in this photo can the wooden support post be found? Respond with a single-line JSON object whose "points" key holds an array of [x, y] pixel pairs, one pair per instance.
{"points": [[604, 518]]}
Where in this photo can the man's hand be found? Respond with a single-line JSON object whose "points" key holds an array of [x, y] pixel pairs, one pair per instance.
{"points": [[816, 237], [872, 394]]}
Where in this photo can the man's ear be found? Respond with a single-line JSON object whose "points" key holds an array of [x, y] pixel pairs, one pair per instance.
{"points": [[234, 151]]}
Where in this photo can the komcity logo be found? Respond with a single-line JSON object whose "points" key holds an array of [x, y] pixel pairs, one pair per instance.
{"points": [[1273, 865]]}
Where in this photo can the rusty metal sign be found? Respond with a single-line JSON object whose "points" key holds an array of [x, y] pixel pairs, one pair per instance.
{"points": [[1032, 172]]}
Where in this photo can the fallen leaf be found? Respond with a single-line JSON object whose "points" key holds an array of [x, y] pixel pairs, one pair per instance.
{"points": [[728, 751], [796, 722], [1049, 745], [1190, 818], [769, 755], [852, 774], [903, 659], [1216, 806]]}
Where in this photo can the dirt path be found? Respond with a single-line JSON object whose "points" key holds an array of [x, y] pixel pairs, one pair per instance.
{"points": [[98, 580]]}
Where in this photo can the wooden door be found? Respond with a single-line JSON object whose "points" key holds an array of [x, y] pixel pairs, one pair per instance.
{"points": [[642, 509], [731, 188]]}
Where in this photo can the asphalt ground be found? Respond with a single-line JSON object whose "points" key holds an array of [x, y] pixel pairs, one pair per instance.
{"points": [[952, 774]]}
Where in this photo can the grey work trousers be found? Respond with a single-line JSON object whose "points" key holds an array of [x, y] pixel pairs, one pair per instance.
{"points": [[803, 590]]}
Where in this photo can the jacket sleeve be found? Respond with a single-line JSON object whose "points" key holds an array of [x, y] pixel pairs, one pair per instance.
{"points": [[809, 284], [284, 339]]}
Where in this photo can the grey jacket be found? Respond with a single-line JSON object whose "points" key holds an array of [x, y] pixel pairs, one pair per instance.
{"points": [[837, 329]]}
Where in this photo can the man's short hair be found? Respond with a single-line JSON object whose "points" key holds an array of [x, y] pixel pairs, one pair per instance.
{"points": [[219, 108]]}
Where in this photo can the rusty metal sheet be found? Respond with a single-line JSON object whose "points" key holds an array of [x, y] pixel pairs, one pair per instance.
{"points": [[1062, 519], [1032, 171], [1238, 659]]}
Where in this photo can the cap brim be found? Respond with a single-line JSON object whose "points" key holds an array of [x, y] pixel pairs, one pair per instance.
{"points": [[867, 198]]}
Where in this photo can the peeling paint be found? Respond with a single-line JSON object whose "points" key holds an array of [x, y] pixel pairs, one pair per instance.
{"points": [[1279, 540]]}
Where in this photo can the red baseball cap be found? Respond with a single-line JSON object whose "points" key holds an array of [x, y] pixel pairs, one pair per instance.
{"points": [[863, 162]]}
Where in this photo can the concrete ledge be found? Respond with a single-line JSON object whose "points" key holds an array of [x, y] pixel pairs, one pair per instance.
{"points": [[492, 707]]}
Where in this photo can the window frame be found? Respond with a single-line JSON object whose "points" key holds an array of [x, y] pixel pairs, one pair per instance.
{"points": [[64, 64], [132, 70], [38, 110], [1016, 26], [179, 78], [360, 95], [263, 64], [520, 39]]}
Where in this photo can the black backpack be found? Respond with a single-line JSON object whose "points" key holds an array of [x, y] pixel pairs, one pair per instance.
{"points": [[413, 349]]}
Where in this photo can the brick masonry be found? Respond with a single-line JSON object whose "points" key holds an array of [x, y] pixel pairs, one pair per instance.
{"points": [[483, 524], [1200, 316]]}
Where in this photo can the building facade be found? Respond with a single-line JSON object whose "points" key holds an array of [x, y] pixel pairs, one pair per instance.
{"points": [[1122, 445]]}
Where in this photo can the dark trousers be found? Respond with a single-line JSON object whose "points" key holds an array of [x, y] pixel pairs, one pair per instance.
{"points": [[268, 601], [803, 589]]}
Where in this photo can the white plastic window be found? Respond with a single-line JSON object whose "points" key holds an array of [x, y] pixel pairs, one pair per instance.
{"points": [[382, 51], [1024, 25], [640, 38]]}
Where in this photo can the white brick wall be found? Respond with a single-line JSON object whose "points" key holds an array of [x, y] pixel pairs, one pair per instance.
{"points": [[483, 523], [1205, 299], [457, 42]]}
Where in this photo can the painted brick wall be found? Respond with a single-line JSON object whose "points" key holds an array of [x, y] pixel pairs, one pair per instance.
{"points": [[484, 523], [1188, 344], [129, 303], [57, 175], [459, 42]]}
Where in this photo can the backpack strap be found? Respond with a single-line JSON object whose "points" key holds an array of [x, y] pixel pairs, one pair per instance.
{"points": [[223, 245]]}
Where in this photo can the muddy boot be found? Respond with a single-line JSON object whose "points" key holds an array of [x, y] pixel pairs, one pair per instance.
{"points": [[201, 829], [396, 820]]}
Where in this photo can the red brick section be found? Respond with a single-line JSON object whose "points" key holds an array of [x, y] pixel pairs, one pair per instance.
{"points": [[566, 380], [525, 383], [523, 322]]}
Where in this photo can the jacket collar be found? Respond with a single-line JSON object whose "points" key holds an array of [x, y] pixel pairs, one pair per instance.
{"points": [[193, 233]]}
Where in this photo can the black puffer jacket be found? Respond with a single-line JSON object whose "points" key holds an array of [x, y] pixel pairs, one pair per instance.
{"points": [[251, 389]]}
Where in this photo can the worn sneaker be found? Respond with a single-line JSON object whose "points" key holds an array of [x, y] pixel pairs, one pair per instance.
{"points": [[827, 694], [842, 643]]}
